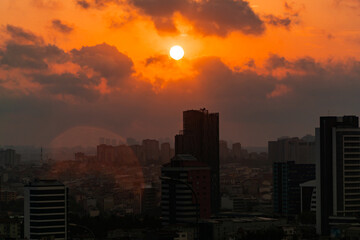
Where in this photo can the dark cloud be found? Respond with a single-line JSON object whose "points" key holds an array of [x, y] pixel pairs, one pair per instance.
{"points": [[253, 107], [271, 107], [61, 27], [278, 21], [86, 4], [291, 10], [156, 59], [106, 60], [165, 25], [275, 61], [211, 17], [31, 56], [20, 35], [304, 64], [78, 86], [251, 63], [83, 3]]}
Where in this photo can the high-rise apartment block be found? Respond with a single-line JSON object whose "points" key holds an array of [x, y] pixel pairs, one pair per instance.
{"points": [[200, 138], [185, 190], [45, 210], [338, 173], [300, 151], [293, 163]]}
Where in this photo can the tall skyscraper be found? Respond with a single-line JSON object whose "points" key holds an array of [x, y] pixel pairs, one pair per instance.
{"points": [[337, 177], [181, 176], [200, 138], [45, 210]]}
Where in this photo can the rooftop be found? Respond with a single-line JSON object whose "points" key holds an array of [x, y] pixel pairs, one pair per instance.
{"points": [[44, 183]]}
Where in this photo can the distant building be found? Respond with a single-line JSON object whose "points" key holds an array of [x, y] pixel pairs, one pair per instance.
{"points": [[45, 210], [165, 152], [337, 178], [7, 196], [131, 141], [105, 153], [292, 150], [293, 163], [10, 228], [9, 158], [138, 152], [223, 150], [236, 150], [200, 138], [80, 156], [178, 203], [151, 150]]}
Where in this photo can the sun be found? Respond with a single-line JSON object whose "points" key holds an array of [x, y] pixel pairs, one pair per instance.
{"points": [[176, 52]]}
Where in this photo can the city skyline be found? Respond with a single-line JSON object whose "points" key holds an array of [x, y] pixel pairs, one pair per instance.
{"points": [[268, 69]]}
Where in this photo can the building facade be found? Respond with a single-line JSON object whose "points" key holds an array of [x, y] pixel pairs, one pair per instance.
{"points": [[338, 172], [200, 138], [45, 210], [287, 192], [185, 182]]}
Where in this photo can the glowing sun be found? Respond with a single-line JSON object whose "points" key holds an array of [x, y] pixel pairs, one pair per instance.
{"points": [[176, 52]]}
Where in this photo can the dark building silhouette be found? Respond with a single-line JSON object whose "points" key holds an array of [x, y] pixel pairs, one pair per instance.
{"points": [[165, 152], [287, 179], [308, 196], [149, 200], [293, 162], [200, 138], [151, 150], [178, 203], [338, 179], [9, 158]]}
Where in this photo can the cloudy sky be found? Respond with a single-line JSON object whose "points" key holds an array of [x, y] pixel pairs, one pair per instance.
{"points": [[270, 68]]}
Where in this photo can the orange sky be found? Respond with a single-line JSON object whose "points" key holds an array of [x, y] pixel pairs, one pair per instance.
{"points": [[312, 34]]}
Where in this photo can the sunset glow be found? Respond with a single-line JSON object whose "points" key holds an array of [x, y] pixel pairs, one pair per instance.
{"points": [[252, 61]]}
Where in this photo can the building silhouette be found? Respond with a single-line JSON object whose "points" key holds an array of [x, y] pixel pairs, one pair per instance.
{"points": [[178, 202], [45, 210], [151, 150], [165, 152], [200, 138], [9, 158], [285, 149], [293, 162], [288, 177], [338, 179]]}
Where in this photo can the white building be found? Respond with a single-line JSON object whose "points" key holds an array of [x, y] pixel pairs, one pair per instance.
{"points": [[45, 210]]}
